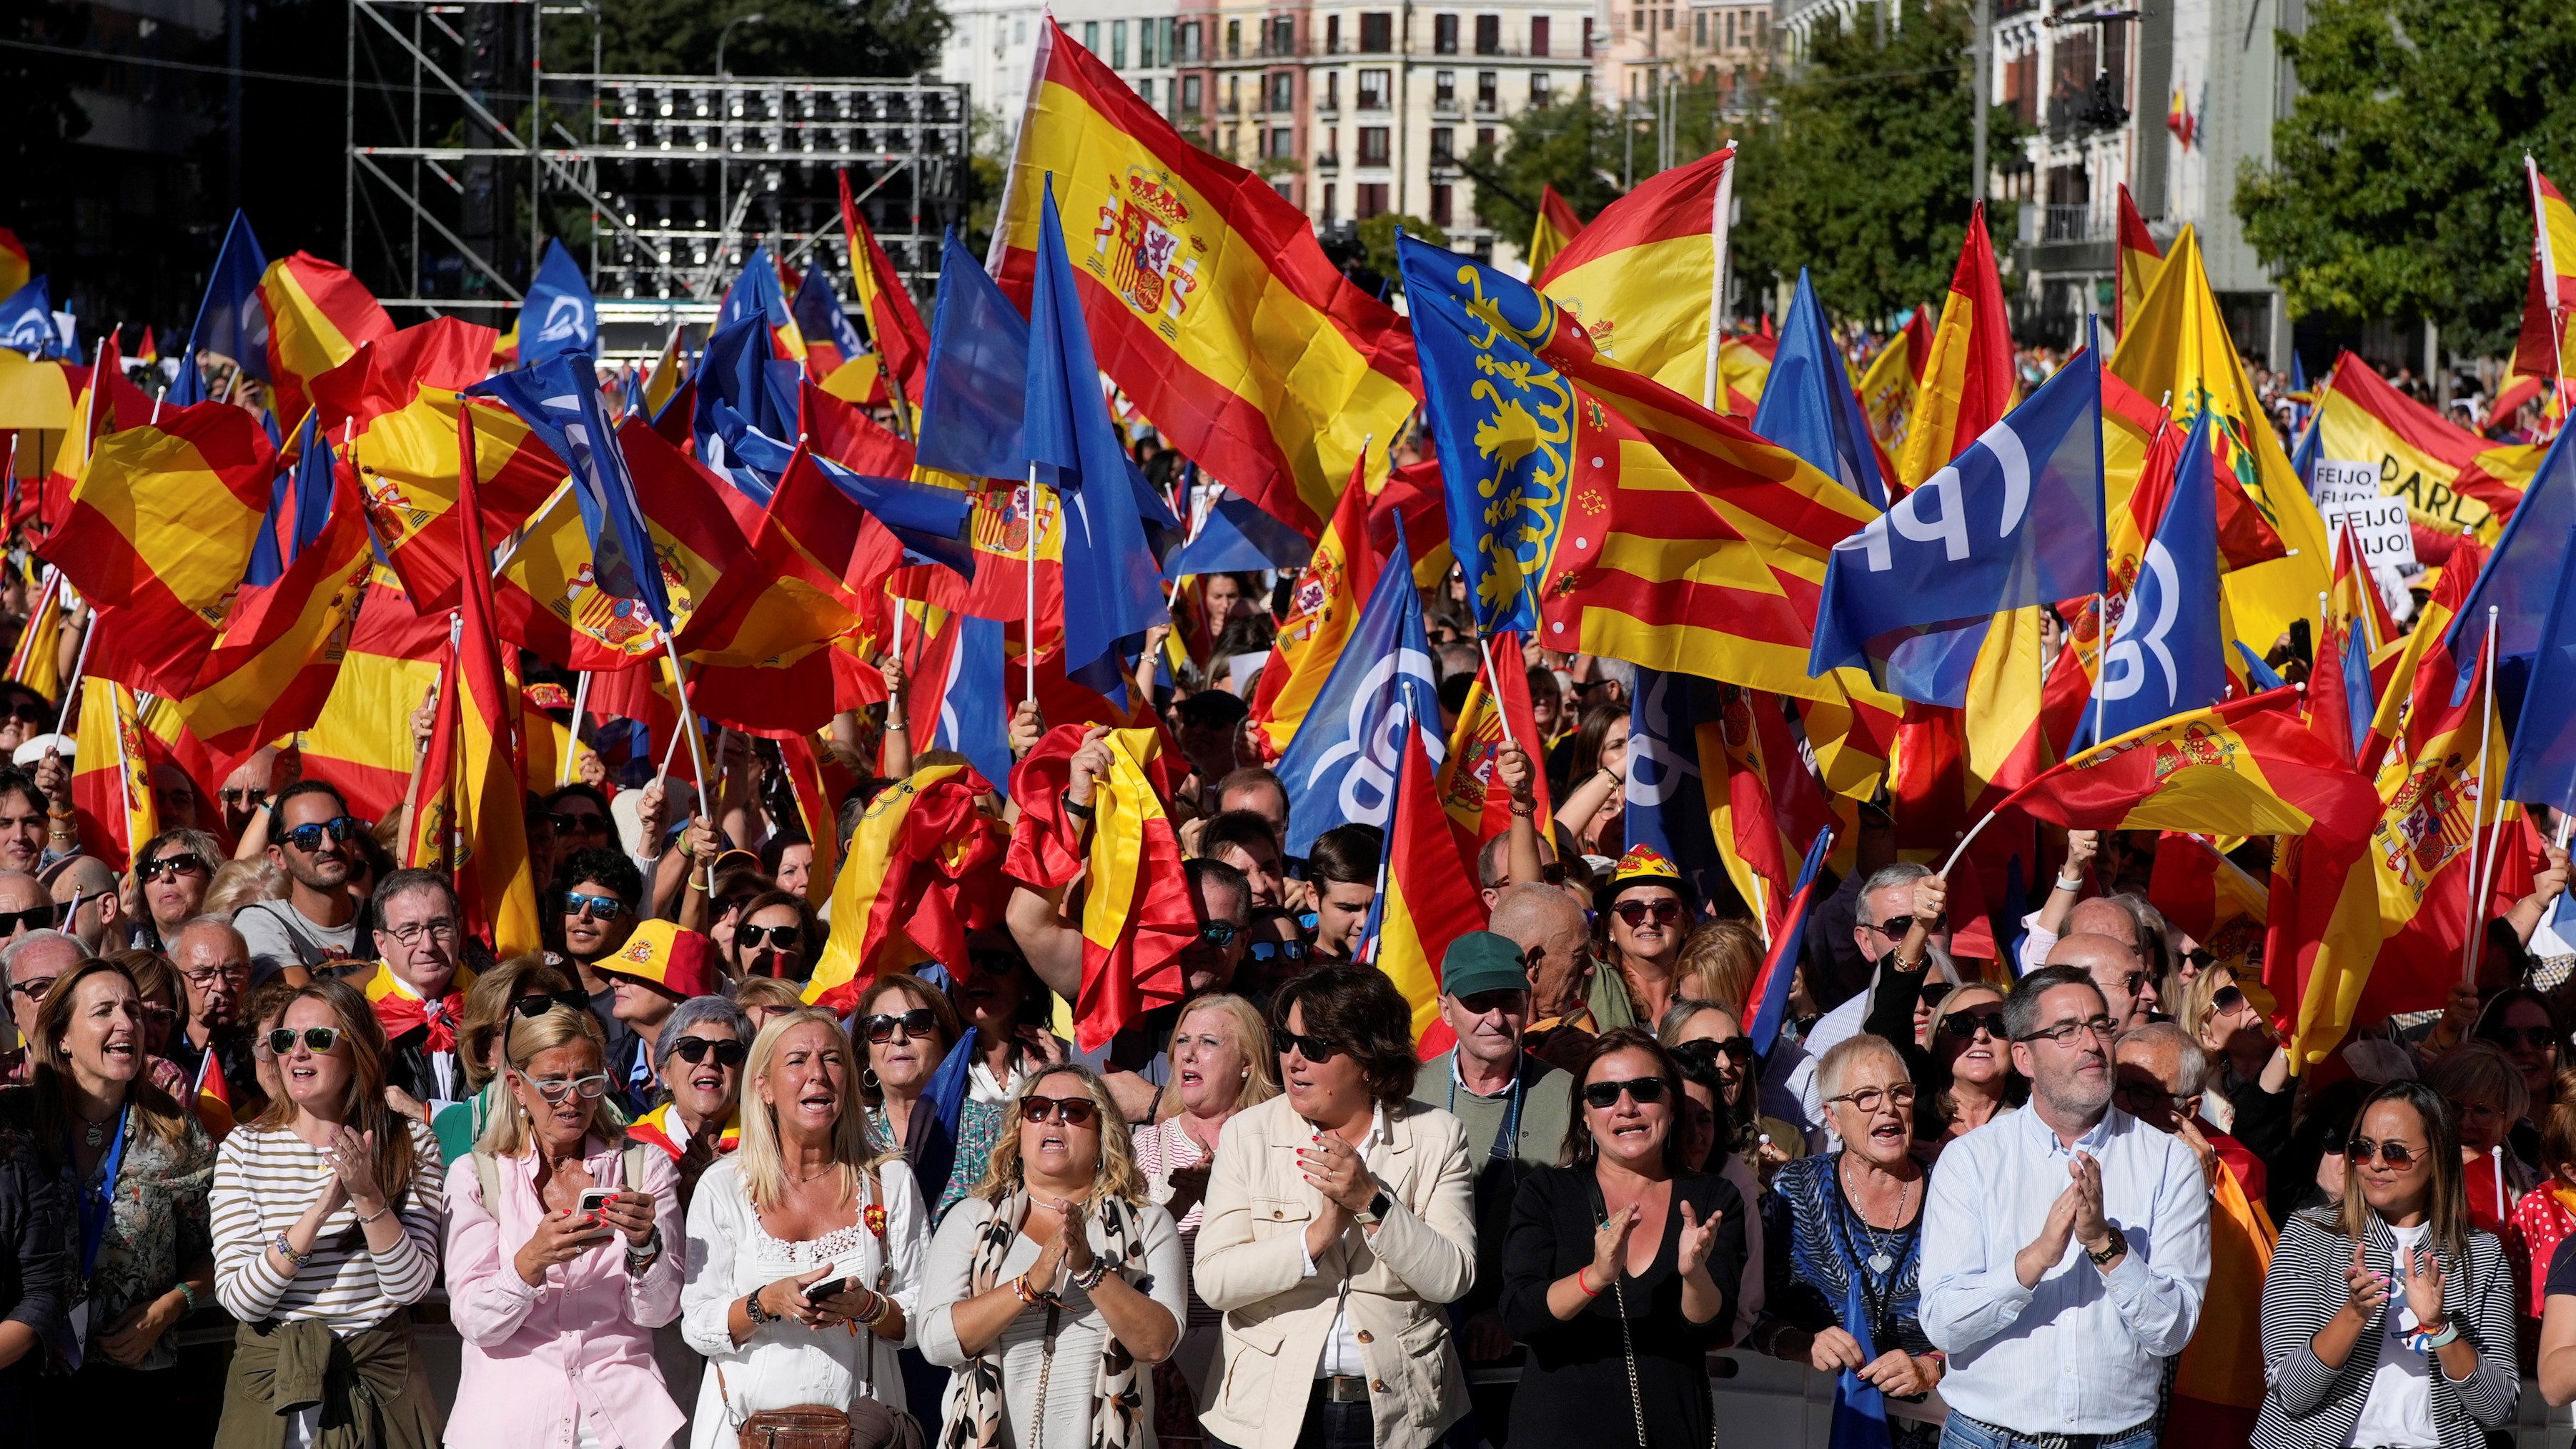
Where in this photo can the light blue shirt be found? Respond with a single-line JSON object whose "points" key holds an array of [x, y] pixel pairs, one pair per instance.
{"points": [[2083, 1352]]}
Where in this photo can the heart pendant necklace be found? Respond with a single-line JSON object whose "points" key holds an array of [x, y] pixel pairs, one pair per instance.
{"points": [[1880, 1260]]}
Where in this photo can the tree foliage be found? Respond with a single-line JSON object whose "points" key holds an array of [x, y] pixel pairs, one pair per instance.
{"points": [[795, 37], [1572, 145], [1377, 244], [1861, 171], [2396, 187]]}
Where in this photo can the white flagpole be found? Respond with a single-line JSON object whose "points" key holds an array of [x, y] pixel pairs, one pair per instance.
{"points": [[1029, 642], [580, 708], [689, 728], [2486, 768]]}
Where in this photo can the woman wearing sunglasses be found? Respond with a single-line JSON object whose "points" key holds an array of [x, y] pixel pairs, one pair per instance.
{"points": [[699, 1116], [775, 935], [522, 985], [2522, 1024], [1621, 1267], [1850, 1224], [1972, 1075], [2250, 1092], [2388, 1319], [1059, 1283], [563, 1255], [326, 1220]]}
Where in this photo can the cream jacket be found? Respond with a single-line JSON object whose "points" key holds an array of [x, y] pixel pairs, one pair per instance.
{"points": [[1251, 1264]]}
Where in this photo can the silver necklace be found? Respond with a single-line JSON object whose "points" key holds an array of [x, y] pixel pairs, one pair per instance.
{"points": [[94, 1133], [1880, 1260]]}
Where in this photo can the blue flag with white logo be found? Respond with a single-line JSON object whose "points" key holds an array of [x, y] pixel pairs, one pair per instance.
{"points": [[1237, 537], [231, 321], [1666, 800], [973, 711], [1504, 420], [27, 321], [559, 401], [2520, 582], [820, 318], [2015, 521], [972, 401], [1340, 768], [755, 293], [559, 315], [1860, 1409], [2167, 656], [1808, 405]]}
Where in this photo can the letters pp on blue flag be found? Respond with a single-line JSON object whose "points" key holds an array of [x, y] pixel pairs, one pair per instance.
{"points": [[560, 315], [2166, 657], [1340, 769], [1667, 799], [2014, 521]]}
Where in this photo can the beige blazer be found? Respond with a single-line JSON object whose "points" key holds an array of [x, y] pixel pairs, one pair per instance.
{"points": [[1395, 1281]]}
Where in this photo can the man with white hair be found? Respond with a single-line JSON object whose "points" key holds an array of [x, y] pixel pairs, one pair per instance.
{"points": [[214, 965], [29, 966]]}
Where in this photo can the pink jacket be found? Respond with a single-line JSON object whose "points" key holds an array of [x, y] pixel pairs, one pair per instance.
{"points": [[537, 1358]]}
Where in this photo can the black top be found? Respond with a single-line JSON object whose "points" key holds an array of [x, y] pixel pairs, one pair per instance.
{"points": [[1575, 1386]]}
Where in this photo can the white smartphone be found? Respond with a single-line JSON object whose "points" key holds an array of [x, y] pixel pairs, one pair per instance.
{"points": [[595, 1198]]}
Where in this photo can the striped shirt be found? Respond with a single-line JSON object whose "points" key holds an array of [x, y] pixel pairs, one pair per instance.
{"points": [[264, 1180]]}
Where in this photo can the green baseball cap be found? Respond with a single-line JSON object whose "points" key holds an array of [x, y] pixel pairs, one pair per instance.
{"points": [[1481, 961]]}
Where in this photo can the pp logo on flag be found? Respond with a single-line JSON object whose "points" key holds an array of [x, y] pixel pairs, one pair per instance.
{"points": [[566, 318], [2131, 644], [1369, 755], [1656, 770]]}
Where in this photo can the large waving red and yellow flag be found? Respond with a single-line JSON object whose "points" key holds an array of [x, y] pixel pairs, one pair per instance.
{"points": [[362, 741], [1554, 230], [1210, 301], [318, 317], [1646, 276], [2547, 346], [2139, 257], [1968, 379], [112, 801], [1321, 610], [924, 871], [473, 821], [1428, 901], [2454, 482], [894, 324], [762, 639]]}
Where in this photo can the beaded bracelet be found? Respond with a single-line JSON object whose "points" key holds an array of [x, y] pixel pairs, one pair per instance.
{"points": [[287, 1251]]}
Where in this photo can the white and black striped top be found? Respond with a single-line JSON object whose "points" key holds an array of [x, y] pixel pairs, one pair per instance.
{"points": [[264, 1180], [2307, 1405]]}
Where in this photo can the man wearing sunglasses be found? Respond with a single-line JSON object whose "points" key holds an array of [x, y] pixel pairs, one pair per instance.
{"points": [[2065, 1247], [317, 926], [599, 910], [25, 905], [214, 965], [418, 991]]}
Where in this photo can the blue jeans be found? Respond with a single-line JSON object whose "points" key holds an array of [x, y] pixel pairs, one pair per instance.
{"points": [[1962, 1432]]}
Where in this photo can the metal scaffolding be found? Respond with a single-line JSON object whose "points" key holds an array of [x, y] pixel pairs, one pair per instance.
{"points": [[465, 152]]}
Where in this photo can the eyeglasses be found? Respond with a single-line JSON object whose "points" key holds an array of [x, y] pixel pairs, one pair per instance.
{"points": [[918, 1022], [1637, 913], [2065, 1032], [694, 1049], [1738, 1047], [599, 908], [34, 990], [1934, 992], [1313, 1048], [318, 1039], [1869, 1099], [2394, 1153], [34, 918], [169, 867], [2228, 998], [2534, 1037], [440, 929], [1647, 1091], [1071, 1111], [539, 1003], [308, 838], [1276, 950], [1966, 1024], [1217, 935], [236, 972], [588, 822], [783, 938], [557, 1090]]}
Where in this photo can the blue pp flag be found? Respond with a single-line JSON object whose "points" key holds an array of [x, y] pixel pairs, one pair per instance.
{"points": [[755, 293], [559, 315], [1504, 420], [2015, 521], [2519, 582], [1808, 405], [560, 403], [299, 507], [1113, 589], [1237, 537], [232, 321], [971, 402], [1340, 768], [2540, 767], [2167, 656], [1666, 800], [1768, 996], [973, 711], [741, 384], [819, 315], [27, 321], [1860, 1410]]}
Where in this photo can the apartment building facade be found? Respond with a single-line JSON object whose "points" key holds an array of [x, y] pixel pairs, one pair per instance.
{"points": [[992, 44]]}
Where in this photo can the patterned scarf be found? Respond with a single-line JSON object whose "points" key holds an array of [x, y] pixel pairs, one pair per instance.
{"points": [[1117, 1399]]}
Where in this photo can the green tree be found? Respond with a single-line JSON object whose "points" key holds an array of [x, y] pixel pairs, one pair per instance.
{"points": [[1377, 241], [1572, 145], [1861, 171], [794, 37], [2396, 186]]}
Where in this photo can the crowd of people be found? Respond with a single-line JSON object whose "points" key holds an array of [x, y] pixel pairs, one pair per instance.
{"points": [[275, 1113]]}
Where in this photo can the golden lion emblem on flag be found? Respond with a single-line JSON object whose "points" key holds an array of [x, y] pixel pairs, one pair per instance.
{"points": [[1141, 247]]}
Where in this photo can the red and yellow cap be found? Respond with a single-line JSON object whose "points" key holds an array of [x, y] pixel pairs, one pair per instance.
{"points": [[679, 961], [1643, 865]]}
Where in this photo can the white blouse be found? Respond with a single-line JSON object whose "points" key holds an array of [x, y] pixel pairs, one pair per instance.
{"points": [[785, 1364], [1080, 1335]]}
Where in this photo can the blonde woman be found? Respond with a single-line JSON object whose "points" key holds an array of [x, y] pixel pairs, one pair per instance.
{"points": [[556, 1292], [1719, 961], [804, 1250], [1056, 1282]]}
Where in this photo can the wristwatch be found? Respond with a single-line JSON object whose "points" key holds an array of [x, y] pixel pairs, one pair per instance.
{"points": [[751, 1309], [1375, 1212], [2109, 1250]]}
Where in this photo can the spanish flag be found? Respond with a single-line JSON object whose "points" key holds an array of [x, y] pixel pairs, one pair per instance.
{"points": [[1427, 901], [362, 743], [1644, 277], [318, 317], [924, 870], [111, 776], [894, 324], [2203, 893], [663, 1128], [1136, 912], [1211, 303], [2454, 482], [1556, 227], [2139, 257], [1321, 610], [1477, 805], [762, 636], [2547, 346], [1761, 798], [1743, 372], [2340, 699], [212, 1099], [36, 659], [1889, 385], [1968, 380], [816, 813], [469, 817]]}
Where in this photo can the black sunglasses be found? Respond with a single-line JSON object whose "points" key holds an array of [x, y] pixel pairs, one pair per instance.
{"points": [[1934, 992], [694, 1049], [1647, 1091], [1276, 950], [1313, 1048], [534, 1006], [1738, 1047], [1218, 935], [918, 1022], [2227, 998], [1071, 1111], [783, 938], [308, 838], [586, 823], [2395, 1154], [173, 866], [2530, 1036], [1966, 1024], [36, 917]]}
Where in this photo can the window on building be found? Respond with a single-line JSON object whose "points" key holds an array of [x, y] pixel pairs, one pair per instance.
{"points": [[1489, 35], [1538, 35], [1324, 203], [1234, 95], [1191, 94], [1372, 199], [1444, 35], [1091, 36], [1443, 140], [1484, 138], [1329, 150], [1587, 37], [1374, 147], [1283, 36], [1145, 93], [1668, 17], [1283, 90], [1188, 35], [1234, 40], [1373, 89], [1442, 213], [1279, 144], [1444, 88], [1117, 45], [1636, 22], [1332, 90], [1730, 30], [1377, 31], [1540, 92], [1147, 34], [1332, 35], [1020, 31], [1761, 28], [1486, 83]]}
